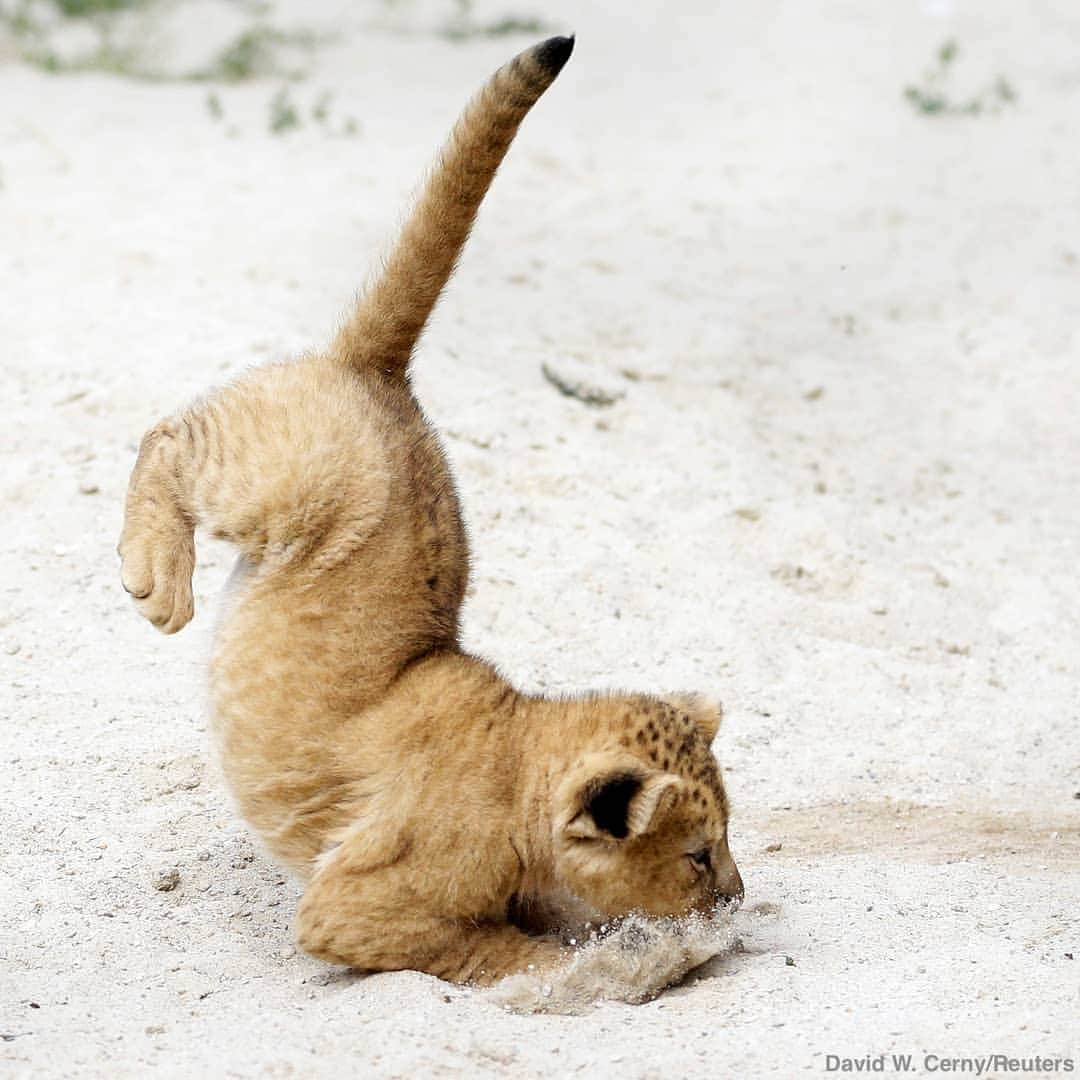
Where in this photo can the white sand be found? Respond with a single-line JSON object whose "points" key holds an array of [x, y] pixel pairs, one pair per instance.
{"points": [[840, 491]]}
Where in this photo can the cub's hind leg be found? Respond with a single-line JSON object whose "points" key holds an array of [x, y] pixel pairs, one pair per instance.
{"points": [[157, 545], [287, 464]]}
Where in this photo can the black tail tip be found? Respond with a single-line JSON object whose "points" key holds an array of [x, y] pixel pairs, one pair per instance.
{"points": [[552, 54]]}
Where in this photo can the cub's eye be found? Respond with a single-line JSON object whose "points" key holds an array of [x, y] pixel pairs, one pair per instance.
{"points": [[701, 860]]}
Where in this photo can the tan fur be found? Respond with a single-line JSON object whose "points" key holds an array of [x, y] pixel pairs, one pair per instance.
{"points": [[432, 809]]}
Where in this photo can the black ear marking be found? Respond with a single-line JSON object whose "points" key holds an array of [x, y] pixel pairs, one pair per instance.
{"points": [[609, 804]]}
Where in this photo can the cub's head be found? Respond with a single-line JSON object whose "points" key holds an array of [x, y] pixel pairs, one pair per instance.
{"points": [[640, 818]]}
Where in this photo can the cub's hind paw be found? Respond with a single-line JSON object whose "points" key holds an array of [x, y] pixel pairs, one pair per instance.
{"points": [[156, 571]]}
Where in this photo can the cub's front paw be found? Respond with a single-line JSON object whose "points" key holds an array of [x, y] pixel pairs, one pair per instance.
{"points": [[155, 567]]}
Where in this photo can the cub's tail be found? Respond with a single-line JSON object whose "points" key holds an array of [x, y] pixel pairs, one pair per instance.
{"points": [[381, 332]]}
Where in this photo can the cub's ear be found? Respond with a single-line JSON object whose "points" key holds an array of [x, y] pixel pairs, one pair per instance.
{"points": [[705, 712], [612, 798]]}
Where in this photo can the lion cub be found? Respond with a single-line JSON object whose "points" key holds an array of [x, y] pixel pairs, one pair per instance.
{"points": [[432, 809]]}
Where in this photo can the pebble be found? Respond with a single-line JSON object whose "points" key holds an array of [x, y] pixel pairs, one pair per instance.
{"points": [[573, 379], [88, 487], [167, 880]]}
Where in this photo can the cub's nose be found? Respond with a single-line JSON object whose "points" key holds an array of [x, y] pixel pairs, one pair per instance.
{"points": [[728, 885]]}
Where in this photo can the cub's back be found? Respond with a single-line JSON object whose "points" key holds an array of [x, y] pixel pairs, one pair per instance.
{"points": [[361, 568]]}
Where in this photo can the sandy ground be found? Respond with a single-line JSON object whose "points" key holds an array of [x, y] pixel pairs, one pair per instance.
{"points": [[839, 490]]}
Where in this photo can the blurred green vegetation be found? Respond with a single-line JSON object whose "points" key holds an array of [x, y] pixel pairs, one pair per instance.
{"points": [[931, 97], [254, 52], [465, 29], [122, 44], [79, 8]]}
